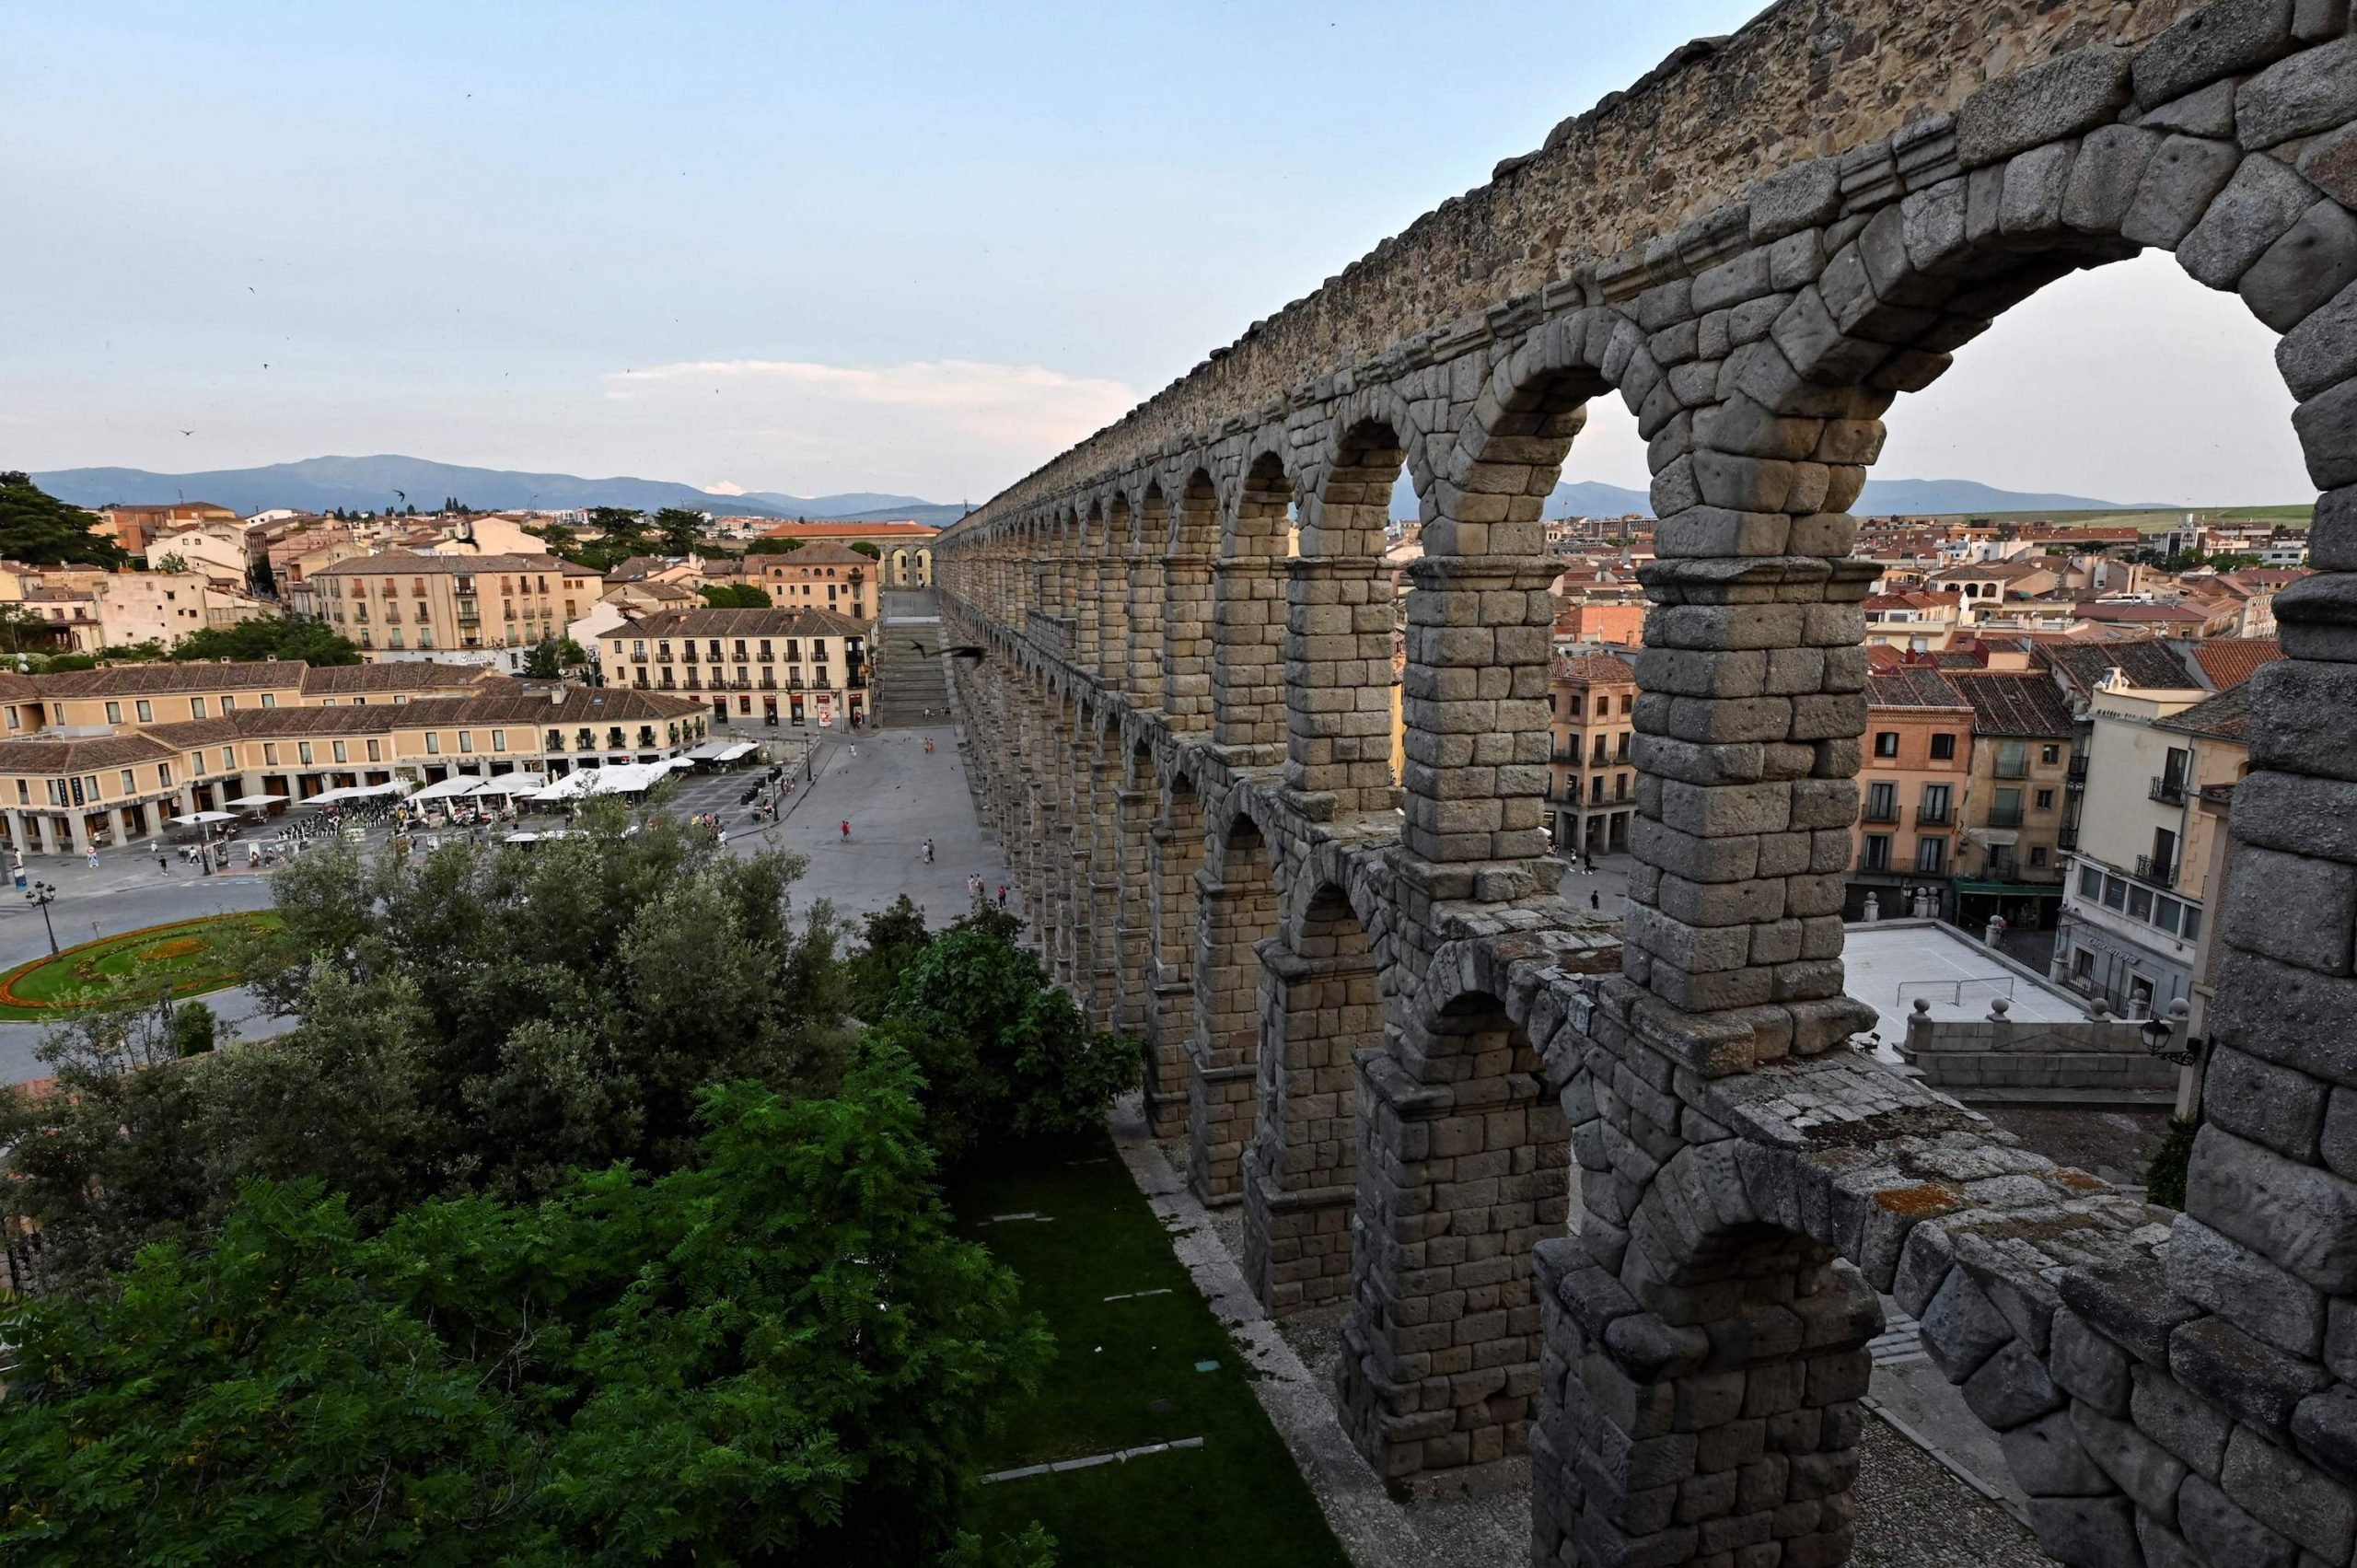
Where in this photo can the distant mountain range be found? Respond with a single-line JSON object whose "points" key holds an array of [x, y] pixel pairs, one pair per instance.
{"points": [[318, 484], [1882, 497]]}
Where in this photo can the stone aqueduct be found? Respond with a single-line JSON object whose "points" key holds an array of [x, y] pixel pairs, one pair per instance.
{"points": [[1623, 1201]]}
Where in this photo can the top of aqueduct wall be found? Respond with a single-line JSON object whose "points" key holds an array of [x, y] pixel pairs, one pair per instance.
{"points": [[1600, 204]]}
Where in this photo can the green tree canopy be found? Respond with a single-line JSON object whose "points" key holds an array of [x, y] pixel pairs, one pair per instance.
{"points": [[266, 637], [780, 1353], [40, 530], [736, 596], [679, 531], [1004, 1056], [552, 657], [773, 546]]}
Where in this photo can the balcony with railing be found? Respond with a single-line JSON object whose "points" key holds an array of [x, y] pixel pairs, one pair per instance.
{"points": [[2075, 776], [2168, 790], [2018, 768], [2159, 873], [1935, 816], [2067, 838], [2004, 815], [1879, 810]]}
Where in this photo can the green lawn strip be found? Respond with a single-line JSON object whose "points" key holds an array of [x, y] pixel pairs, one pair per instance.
{"points": [[1236, 1500], [55, 981]]}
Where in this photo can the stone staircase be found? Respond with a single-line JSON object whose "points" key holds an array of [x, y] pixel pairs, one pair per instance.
{"points": [[907, 663]]}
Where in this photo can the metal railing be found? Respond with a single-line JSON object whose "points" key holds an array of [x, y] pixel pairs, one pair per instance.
{"points": [[2159, 873], [2168, 791], [1935, 816]]}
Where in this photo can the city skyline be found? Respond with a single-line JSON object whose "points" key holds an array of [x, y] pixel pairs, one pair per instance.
{"points": [[892, 274]]}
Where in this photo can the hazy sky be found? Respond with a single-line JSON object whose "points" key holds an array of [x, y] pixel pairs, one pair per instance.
{"points": [[818, 248]]}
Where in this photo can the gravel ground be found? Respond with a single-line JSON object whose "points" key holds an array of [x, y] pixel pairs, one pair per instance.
{"points": [[2114, 1144], [1911, 1511]]}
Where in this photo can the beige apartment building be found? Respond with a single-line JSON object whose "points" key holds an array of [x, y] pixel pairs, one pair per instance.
{"points": [[1591, 793], [2009, 856], [401, 603], [778, 665], [1912, 786], [68, 795], [821, 575]]}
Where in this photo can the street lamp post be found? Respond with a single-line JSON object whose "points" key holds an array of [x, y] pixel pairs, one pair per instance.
{"points": [[40, 894]]}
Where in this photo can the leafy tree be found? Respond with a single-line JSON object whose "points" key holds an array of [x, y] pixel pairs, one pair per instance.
{"points": [[866, 548], [171, 564], [25, 630], [473, 1021], [895, 938], [40, 530], [679, 530], [269, 637], [193, 1028], [773, 546], [736, 596], [1005, 1057], [780, 1354], [552, 657]]}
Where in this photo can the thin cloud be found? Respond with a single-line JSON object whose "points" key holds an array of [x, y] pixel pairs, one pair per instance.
{"points": [[958, 425]]}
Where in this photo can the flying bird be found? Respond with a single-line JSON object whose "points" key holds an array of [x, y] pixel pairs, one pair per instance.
{"points": [[967, 652], [184, 432]]}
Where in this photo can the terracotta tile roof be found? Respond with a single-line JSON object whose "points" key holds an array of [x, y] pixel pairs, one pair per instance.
{"points": [[2225, 716], [398, 566], [915, 532], [2144, 661], [1593, 669], [2227, 662], [823, 553], [170, 680], [406, 675], [2141, 614], [1913, 686], [36, 756], [778, 621], [2015, 705]]}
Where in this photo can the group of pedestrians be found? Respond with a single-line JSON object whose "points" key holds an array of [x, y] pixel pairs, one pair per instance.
{"points": [[978, 888]]}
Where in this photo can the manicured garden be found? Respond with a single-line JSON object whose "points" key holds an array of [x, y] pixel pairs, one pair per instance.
{"points": [[1128, 1372], [194, 955]]}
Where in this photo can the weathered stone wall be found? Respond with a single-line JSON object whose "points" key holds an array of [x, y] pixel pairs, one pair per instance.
{"points": [[1804, 79], [2169, 1391]]}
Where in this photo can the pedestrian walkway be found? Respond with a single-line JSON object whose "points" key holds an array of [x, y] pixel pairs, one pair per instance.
{"points": [[905, 654]]}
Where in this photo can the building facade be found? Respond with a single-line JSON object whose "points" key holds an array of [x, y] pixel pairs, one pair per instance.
{"points": [[400, 603], [1912, 780], [774, 667], [2137, 898], [2009, 854], [822, 575], [1592, 794]]}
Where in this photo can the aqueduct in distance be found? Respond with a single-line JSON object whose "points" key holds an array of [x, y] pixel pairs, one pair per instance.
{"points": [[1411, 1062]]}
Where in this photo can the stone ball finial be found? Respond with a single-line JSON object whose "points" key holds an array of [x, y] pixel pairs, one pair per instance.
{"points": [[1998, 1007], [1923, 1007], [2098, 1009]]}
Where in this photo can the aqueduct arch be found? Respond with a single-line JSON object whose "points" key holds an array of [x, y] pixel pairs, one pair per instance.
{"points": [[1759, 248]]}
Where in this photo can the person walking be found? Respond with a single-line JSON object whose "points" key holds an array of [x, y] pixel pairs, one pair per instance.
{"points": [[94, 858], [164, 864], [846, 830], [1594, 900], [1002, 895], [928, 851]]}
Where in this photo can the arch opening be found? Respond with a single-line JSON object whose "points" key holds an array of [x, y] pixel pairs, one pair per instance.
{"points": [[1236, 911], [1321, 1004]]}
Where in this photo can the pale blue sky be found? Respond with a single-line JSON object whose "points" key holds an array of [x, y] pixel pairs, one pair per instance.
{"points": [[819, 247]]}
